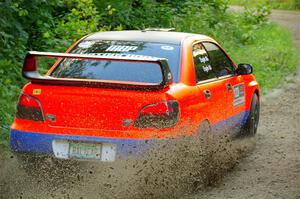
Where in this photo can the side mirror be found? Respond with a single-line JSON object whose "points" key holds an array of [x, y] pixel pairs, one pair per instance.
{"points": [[244, 69]]}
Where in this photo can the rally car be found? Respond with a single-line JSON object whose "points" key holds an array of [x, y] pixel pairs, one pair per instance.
{"points": [[113, 93]]}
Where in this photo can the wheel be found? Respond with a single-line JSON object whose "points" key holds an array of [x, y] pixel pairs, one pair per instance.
{"points": [[251, 124]]}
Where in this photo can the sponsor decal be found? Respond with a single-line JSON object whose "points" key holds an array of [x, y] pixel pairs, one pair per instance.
{"points": [[36, 91], [238, 94], [120, 55], [119, 48], [86, 44], [207, 68], [167, 48], [203, 59]]}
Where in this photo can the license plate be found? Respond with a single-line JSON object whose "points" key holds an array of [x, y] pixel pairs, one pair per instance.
{"points": [[85, 150]]}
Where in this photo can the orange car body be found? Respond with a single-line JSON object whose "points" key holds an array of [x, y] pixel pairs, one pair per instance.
{"points": [[108, 115]]}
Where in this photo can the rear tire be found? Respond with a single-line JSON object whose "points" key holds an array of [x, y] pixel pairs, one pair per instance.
{"points": [[250, 127]]}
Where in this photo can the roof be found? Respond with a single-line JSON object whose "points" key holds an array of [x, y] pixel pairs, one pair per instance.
{"points": [[144, 35]]}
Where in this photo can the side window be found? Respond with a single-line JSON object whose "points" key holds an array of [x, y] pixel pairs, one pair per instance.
{"points": [[203, 68], [220, 63]]}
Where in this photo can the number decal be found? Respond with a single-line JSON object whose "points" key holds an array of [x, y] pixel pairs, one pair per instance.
{"points": [[239, 94]]}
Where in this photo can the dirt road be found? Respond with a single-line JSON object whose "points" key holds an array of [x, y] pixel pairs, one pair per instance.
{"points": [[273, 168]]}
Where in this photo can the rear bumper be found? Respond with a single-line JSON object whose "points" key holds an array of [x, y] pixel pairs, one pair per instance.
{"points": [[35, 142]]}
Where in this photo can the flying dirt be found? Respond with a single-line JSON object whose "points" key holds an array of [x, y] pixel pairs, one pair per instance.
{"points": [[173, 169]]}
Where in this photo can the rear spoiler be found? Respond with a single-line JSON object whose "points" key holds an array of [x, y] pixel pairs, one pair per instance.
{"points": [[30, 71]]}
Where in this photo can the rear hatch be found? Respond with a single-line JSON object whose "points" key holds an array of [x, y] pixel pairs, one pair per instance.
{"points": [[95, 108]]}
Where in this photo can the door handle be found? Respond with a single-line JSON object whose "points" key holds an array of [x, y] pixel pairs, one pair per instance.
{"points": [[207, 94], [229, 87]]}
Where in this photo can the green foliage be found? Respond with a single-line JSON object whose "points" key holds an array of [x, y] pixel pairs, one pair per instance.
{"points": [[82, 19], [12, 33], [135, 14], [258, 15], [54, 25], [213, 19], [9, 90], [275, 4], [272, 61], [203, 16], [251, 20]]}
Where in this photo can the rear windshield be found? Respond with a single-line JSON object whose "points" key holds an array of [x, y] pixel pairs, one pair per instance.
{"points": [[119, 70]]}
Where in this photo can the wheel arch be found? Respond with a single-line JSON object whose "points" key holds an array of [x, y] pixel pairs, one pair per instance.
{"points": [[253, 88]]}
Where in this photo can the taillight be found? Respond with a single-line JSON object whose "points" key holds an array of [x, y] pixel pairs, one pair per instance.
{"points": [[29, 108], [159, 115]]}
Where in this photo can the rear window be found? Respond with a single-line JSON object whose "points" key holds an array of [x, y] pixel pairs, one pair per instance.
{"points": [[119, 70]]}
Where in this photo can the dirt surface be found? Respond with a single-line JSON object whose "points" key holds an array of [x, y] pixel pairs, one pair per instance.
{"points": [[268, 165]]}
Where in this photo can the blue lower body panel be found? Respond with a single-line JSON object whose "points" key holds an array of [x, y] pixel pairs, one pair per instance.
{"points": [[235, 122], [35, 142]]}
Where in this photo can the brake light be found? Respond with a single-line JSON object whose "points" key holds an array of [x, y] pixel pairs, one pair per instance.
{"points": [[159, 115], [30, 64], [29, 108]]}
